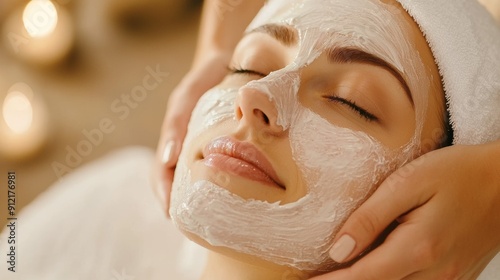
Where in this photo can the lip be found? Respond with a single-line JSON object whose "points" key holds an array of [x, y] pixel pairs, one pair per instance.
{"points": [[241, 159]]}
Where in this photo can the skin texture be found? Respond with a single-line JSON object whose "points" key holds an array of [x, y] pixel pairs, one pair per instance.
{"points": [[420, 197], [386, 99], [370, 87], [429, 204], [220, 30]]}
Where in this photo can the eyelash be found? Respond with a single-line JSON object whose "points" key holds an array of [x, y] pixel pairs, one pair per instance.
{"points": [[239, 70], [353, 106], [350, 103]]}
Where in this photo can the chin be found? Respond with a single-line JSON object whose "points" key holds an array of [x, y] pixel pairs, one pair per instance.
{"points": [[244, 258]]}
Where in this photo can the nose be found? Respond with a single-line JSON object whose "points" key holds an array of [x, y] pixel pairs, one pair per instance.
{"points": [[256, 111]]}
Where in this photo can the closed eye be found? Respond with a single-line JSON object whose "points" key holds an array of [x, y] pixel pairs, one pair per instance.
{"points": [[349, 103], [353, 106], [245, 71]]}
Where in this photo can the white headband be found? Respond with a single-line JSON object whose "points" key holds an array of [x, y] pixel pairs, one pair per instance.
{"points": [[465, 41]]}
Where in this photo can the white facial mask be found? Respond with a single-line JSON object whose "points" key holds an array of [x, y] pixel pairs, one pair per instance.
{"points": [[341, 167]]}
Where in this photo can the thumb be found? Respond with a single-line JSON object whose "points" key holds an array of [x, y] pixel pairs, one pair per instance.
{"points": [[181, 103], [169, 149], [167, 157], [397, 195]]}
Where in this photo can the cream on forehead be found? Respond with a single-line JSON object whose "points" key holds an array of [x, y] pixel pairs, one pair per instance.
{"points": [[369, 25], [340, 166]]}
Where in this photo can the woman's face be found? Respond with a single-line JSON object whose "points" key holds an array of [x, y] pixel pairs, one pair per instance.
{"points": [[324, 99]]}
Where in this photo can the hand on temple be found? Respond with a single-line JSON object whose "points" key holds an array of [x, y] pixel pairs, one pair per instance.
{"points": [[448, 205]]}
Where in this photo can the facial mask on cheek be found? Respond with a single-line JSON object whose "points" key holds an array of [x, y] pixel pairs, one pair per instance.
{"points": [[367, 25], [340, 167]]}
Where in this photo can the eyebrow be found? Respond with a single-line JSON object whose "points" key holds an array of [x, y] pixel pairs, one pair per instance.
{"points": [[353, 55], [285, 34], [288, 36]]}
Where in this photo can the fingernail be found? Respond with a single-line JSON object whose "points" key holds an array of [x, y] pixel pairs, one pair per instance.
{"points": [[342, 248], [168, 152]]}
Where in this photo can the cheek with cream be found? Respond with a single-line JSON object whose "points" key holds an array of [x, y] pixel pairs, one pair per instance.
{"points": [[340, 167]]}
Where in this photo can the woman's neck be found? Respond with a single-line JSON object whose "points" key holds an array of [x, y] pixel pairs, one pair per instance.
{"points": [[220, 267]]}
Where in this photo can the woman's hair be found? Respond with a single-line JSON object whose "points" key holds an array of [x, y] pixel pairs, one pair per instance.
{"points": [[447, 139]]}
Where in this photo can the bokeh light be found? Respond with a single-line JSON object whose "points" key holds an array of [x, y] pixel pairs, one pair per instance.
{"points": [[17, 112], [40, 18]]}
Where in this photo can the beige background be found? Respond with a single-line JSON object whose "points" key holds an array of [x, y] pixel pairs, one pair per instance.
{"points": [[115, 41], [108, 61]]}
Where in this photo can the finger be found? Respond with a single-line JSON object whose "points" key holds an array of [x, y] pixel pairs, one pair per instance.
{"points": [[168, 151], [174, 129], [162, 185], [167, 187], [182, 102], [166, 161], [180, 105], [169, 146], [169, 154], [398, 194], [393, 260], [163, 172]]}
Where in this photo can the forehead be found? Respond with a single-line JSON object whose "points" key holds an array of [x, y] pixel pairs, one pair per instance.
{"points": [[331, 10], [369, 25], [378, 27]]}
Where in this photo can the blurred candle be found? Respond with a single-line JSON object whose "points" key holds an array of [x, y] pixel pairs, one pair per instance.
{"points": [[23, 123], [39, 32], [40, 18]]}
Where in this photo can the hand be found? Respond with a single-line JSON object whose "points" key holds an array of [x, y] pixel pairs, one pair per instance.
{"points": [[448, 205], [221, 28], [181, 103]]}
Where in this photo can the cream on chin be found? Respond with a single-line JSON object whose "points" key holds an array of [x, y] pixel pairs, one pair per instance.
{"points": [[340, 167]]}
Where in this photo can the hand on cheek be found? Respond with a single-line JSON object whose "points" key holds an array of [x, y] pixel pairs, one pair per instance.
{"points": [[180, 105], [447, 202]]}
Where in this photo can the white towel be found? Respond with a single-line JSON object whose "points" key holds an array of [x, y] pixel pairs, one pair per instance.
{"points": [[101, 222], [465, 41]]}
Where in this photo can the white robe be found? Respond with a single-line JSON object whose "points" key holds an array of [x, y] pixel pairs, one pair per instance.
{"points": [[102, 222]]}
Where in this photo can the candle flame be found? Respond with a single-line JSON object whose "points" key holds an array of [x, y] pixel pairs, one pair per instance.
{"points": [[17, 112], [40, 18]]}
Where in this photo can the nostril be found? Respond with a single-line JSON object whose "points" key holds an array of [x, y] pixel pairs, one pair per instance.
{"points": [[261, 115], [266, 119], [239, 113]]}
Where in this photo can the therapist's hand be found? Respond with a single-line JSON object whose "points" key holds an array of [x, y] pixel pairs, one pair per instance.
{"points": [[220, 31], [181, 103], [448, 205]]}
